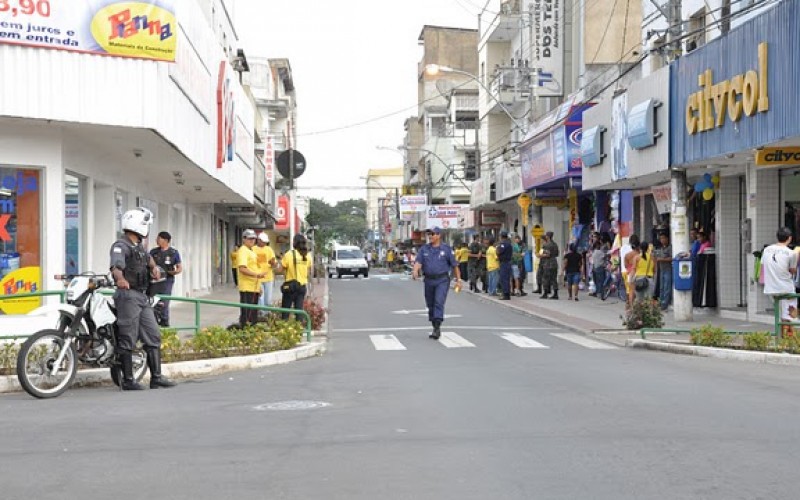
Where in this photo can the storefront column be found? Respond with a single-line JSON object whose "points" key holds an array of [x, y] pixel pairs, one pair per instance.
{"points": [[763, 208], [728, 242], [679, 237]]}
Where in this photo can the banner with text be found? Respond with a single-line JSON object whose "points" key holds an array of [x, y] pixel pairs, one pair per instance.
{"points": [[443, 216], [144, 29]]}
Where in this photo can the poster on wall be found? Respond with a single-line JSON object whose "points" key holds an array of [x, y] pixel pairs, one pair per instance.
{"points": [[619, 137], [443, 216], [143, 29], [282, 214], [20, 238]]}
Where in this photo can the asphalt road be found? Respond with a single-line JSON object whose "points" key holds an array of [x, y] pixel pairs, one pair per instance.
{"points": [[504, 407]]}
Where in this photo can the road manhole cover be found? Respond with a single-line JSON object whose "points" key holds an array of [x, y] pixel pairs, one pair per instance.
{"points": [[292, 405]]}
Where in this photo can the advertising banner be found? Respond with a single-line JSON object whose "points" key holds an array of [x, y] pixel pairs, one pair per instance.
{"points": [[548, 46], [143, 29], [537, 162], [663, 197], [508, 182], [282, 214], [443, 216], [413, 203]]}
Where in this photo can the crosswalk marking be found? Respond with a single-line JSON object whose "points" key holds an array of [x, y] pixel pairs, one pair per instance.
{"points": [[522, 341], [583, 341], [386, 343], [453, 340]]}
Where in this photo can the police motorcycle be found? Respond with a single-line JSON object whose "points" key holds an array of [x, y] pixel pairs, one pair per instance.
{"points": [[85, 332]]}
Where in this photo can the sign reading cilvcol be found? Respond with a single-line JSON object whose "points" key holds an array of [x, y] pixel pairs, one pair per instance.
{"points": [[144, 29], [748, 93]]}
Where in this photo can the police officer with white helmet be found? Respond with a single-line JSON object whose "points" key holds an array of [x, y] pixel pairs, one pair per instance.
{"points": [[132, 268]]}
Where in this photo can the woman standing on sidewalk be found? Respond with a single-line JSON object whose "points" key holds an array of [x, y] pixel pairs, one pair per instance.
{"points": [[492, 266]]}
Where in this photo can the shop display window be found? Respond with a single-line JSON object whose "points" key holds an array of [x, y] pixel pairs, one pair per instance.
{"points": [[20, 237]]}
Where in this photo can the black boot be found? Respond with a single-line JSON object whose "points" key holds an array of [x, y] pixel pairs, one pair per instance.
{"points": [[437, 323], [128, 383], [154, 364], [555, 295], [546, 294]]}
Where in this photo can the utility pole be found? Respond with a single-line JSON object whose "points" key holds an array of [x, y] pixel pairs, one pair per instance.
{"points": [[679, 237]]}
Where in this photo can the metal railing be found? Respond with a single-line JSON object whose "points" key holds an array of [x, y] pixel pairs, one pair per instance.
{"points": [[197, 310]]}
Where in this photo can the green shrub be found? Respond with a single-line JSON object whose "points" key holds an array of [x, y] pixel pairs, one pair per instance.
{"points": [[645, 313], [8, 358], [757, 341], [789, 344], [710, 336]]}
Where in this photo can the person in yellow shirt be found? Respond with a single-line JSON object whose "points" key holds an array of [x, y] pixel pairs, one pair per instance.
{"points": [[297, 266], [266, 262], [462, 257], [249, 276], [234, 265], [492, 266]]}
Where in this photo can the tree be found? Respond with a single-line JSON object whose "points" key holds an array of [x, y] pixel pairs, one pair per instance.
{"points": [[344, 222]]}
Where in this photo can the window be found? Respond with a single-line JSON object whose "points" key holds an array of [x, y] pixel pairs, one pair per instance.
{"points": [[471, 170], [20, 237], [73, 223], [350, 254]]}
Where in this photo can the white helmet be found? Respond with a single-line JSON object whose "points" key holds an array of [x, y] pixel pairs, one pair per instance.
{"points": [[137, 221]]}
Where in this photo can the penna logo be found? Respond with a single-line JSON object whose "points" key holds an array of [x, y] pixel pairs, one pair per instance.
{"points": [[136, 29]]}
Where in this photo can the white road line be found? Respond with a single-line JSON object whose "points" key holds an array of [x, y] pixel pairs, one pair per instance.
{"points": [[583, 341], [522, 341], [386, 343], [410, 328], [453, 340]]}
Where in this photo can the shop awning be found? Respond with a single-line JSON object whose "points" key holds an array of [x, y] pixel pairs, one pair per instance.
{"points": [[551, 152]]}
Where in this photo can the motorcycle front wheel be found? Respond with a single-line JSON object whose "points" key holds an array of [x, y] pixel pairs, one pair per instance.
{"points": [[139, 367], [36, 360]]}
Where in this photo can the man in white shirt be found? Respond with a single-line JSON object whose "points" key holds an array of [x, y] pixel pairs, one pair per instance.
{"points": [[779, 263]]}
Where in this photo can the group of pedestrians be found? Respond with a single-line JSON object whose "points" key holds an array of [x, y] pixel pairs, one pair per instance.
{"points": [[497, 265]]}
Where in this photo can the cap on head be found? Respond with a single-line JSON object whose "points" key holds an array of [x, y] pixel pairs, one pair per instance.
{"points": [[504, 234], [549, 234], [435, 230], [248, 234], [263, 237]]}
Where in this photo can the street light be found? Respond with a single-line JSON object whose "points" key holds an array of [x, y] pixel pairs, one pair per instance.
{"points": [[435, 69]]}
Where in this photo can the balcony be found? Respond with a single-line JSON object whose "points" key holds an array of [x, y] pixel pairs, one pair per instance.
{"points": [[506, 24], [511, 86]]}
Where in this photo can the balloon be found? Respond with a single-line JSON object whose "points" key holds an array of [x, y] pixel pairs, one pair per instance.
{"points": [[715, 181], [707, 177], [708, 194], [698, 188]]}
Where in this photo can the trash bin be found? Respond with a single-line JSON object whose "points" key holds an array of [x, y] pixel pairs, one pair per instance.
{"points": [[682, 271]]}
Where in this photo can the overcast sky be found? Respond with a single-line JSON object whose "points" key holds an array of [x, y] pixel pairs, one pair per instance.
{"points": [[353, 61]]}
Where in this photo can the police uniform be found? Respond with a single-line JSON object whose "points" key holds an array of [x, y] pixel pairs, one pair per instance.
{"points": [[437, 263], [505, 253], [166, 260], [135, 317]]}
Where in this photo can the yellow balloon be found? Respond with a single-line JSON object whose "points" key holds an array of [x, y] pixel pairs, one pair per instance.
{"points": [[708, 194], [715, 181]]}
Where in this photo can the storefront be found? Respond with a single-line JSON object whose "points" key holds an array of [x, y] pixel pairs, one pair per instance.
{"points": [[551, 169], [734, 104]]}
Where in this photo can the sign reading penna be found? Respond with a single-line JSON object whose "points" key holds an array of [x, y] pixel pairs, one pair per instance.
{"points": [[143, 29]]}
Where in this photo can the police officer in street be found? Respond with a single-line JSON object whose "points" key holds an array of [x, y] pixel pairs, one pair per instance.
{"points": [[473, 261], [435, 261], [549, 263], [132, 269], [167, 258], [505, 253]]}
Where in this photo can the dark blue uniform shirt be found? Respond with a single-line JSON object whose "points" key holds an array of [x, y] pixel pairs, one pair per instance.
{"points": [[436, 260], [504, 251]]}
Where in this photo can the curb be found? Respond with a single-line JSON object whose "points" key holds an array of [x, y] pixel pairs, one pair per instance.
{"points": [[190, 369], [773, 358], [547, 319]]}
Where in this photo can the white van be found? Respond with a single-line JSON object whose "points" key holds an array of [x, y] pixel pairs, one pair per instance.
{"points": [[347, 259]]}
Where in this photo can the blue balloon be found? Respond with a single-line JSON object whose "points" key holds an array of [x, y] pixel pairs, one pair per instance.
{"points": [[707, 177], [698, 188]]}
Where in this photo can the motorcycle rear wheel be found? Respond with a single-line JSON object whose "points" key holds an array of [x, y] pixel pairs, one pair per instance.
{"points": [[139, 367], [35, 361]]}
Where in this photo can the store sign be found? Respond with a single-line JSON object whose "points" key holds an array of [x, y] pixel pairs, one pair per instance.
{"points": [[443, 216], [537, 162], [144, 29], [413, 203], [282, 214], [481, 191], [492, 218], [748, 93], [508, 182], [778, 156], [548, 47], [269, 160], [226, 118], [663, 197]]}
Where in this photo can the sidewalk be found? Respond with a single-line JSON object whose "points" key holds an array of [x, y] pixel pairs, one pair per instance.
{"points": [[602, 319], [182, 313]]}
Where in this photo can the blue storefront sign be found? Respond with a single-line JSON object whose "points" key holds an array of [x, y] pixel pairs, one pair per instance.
{"points": [[739, 91]]}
